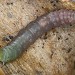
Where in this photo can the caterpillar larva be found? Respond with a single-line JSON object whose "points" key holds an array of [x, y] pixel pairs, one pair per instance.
{"points": [[34, 30]]}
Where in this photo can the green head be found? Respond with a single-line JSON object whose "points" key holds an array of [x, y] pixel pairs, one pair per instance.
{"points": [[1, 54], [9, 53]]}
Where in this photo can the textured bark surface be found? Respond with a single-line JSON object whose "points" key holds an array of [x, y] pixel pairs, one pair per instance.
{"points": [[52, 54]]}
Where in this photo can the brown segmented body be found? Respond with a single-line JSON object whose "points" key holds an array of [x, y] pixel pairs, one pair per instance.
{"points": [[34, 30]]}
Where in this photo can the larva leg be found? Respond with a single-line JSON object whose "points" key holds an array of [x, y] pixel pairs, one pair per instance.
{"points": [[7, 38]]}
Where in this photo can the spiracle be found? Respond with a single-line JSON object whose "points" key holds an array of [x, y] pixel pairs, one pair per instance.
{"points": [[34, 30]]}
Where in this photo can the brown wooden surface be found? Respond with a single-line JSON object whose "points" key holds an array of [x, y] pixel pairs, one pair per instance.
{"points": [[52, 54]]}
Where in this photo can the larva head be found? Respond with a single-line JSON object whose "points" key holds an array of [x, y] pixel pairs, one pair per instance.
{"points": [[9, 53], [1, 54], [5, 55]]}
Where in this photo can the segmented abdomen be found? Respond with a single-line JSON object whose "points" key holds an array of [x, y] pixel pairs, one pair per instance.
{"points": [[34, 30]]}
